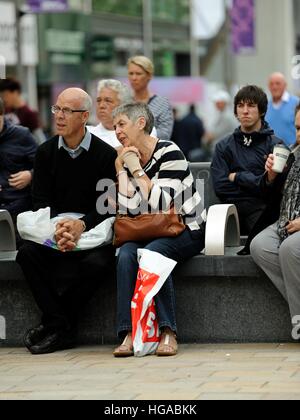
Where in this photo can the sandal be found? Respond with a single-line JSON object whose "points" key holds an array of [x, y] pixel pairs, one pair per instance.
{"points": [[168, 344], [125, 349]]}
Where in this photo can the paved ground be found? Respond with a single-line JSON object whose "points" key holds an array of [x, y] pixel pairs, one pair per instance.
{"points": [[198, 372]]}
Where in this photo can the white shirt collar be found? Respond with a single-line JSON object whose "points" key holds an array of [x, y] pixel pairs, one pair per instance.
{"points": [[285, 98], [85, 144]]}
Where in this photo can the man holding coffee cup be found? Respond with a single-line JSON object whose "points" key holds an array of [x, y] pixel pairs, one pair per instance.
{"points": [[281, 154], [277, 249]]}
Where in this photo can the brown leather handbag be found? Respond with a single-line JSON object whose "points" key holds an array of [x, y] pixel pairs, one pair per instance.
{"points": [[147, 227]]}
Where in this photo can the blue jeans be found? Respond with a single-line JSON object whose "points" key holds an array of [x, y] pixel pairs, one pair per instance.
{"points": [[185, 246]]}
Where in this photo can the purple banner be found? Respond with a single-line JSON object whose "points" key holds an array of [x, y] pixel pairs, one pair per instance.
{"points": [[39, 6], [243, 26], [179, 90]]}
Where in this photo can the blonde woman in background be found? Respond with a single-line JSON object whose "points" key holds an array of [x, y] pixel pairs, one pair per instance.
{"points": [[140, 73]]}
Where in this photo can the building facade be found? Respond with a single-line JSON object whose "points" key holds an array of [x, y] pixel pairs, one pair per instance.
{"points": [[94, 39]]}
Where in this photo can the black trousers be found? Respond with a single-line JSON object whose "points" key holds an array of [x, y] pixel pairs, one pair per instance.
{"points": [[249, 213], [63, 283]]}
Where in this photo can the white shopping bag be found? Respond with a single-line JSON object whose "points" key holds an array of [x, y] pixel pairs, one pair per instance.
{"points": [[102, 235], [154, 269], [38, 227]]}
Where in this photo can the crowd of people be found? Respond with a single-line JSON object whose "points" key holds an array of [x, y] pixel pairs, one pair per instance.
{"points": [[144, 150]]}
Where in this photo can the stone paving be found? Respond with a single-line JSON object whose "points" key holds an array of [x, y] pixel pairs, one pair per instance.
{"points": [[198, 372]]}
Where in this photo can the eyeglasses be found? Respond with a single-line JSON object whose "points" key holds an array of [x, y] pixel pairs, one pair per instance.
{"points": [[66, 111]]}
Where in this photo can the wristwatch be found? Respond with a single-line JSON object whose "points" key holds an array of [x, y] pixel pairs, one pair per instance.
{"points": [[139, 174]]}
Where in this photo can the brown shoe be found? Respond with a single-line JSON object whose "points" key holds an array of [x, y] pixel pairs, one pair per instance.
{"points": [[168, 344], [126, 348]]}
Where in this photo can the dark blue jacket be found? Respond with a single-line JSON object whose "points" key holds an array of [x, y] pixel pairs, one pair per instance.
{"points": [[248, 162], [17, 152], [191, 131]]}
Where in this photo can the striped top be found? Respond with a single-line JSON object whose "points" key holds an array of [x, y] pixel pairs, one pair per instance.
{"points": [[163, 116], [173, 183]]}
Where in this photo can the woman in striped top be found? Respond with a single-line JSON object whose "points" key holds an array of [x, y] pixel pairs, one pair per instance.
{"points": [[155, 173], [140, 73]]}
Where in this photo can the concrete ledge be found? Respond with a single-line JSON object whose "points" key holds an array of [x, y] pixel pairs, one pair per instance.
{"points": [[219, 266], [219, 299]]}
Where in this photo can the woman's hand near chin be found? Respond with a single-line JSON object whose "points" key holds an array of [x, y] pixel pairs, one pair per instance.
{"points": [[130, 149]]}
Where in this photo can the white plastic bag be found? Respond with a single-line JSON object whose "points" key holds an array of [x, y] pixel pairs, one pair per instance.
{"points": [[102, 234], [38, 227], [154, 269]]}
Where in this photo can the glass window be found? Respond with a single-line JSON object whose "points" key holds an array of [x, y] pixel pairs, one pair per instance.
{"points": [[168, 10], [130, 8], [171, 10]]}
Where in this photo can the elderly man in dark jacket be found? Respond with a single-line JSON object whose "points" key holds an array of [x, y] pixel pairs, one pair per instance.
{"points": [[239, 161], [17, 152], [67, 172]]}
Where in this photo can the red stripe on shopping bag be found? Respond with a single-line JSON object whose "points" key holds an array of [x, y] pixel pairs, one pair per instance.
{"points": [[145, 316]]}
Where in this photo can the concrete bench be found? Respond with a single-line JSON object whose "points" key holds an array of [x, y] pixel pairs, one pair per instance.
{"points": [[219, 299]]}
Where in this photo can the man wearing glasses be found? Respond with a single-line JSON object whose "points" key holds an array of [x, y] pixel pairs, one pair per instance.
{"points": [[66, 172]]}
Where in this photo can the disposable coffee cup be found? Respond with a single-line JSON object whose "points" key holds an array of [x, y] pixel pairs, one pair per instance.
{"points": [[281, 155]]}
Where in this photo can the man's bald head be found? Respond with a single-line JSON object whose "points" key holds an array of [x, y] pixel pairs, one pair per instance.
{"points": [[73, 107], [277, 86], [277, 76], [79, 97]]}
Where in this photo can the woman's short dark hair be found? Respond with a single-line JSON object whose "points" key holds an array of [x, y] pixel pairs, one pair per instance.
{"points": [[254, 95]]}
